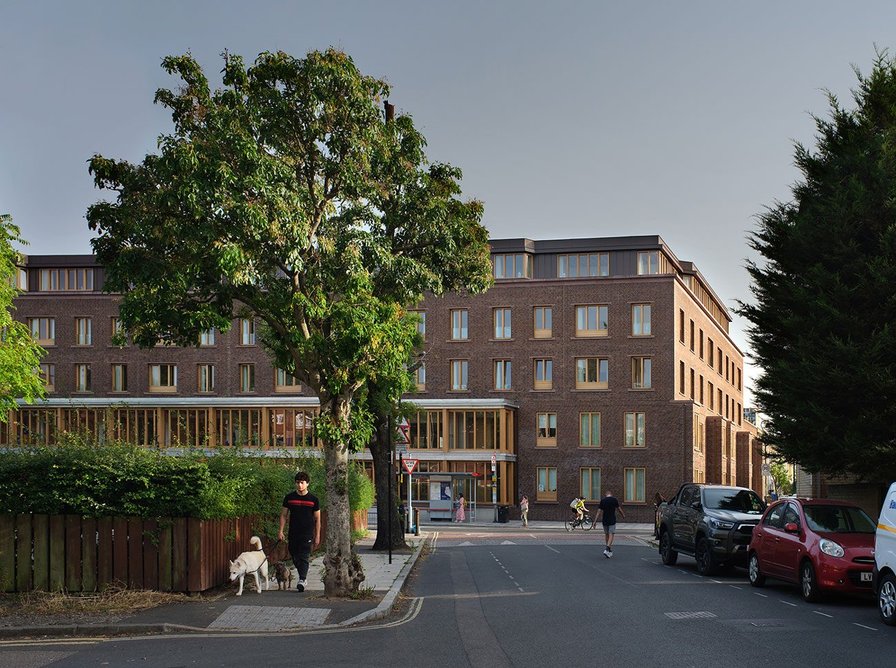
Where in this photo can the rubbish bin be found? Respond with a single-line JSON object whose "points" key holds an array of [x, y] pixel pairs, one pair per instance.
{"points": [[502, 514]]}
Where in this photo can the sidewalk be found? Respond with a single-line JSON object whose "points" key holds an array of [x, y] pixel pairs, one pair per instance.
{"points": [[276, 610]]}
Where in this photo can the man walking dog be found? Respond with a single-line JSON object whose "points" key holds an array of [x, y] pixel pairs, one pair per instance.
{"points": [[303, 509], [606, 510]]}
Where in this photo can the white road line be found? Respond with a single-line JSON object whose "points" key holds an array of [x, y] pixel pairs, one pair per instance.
{"points": [[870, 628], [823, 614], [788, 603], [552, 549], [735, 587], [756, 593], [718, 582]]}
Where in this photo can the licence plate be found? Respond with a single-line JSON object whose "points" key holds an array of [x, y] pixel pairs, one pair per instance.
{"points": [[865, 577]]}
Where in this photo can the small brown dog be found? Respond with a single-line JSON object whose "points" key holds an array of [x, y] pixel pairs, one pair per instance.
{"points": [[283, 575]]}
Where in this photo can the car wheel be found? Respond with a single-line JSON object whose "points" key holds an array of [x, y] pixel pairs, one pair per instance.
{"points": [[757, 579], [703, 555], [886, 599], [667, 554], [808, 583]]}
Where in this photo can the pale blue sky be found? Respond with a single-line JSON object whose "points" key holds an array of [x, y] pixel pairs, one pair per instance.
{"points": [[569, 119]]}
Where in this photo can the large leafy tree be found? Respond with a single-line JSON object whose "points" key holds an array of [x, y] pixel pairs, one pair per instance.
{"points": [[262, 203], [824, 308], [19, 353]]}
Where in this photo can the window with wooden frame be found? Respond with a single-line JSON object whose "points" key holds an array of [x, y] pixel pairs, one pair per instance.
{"points": [[503, 374], [546, 430], [119, 378], [583, 264], [681, 379], [421, 323], [635, 430], [641, 373], [83, 381], [589, 483], [83, 332], [286, 382], [459, 324], [592, 320], [420, 377], [48, 375], [544, 374], [247, 332], [546, 483], [163, 378], [641, 320], [512, 265], [699, 433], [711, 356], [65, 280], [205, 377], [691, 339], [501, 320], [207, 338], [43, 330], [648, 262], [118, 336], [634, 485], [544, 322], [247, 377], [459, 375], [592, 373], [589, 430]]}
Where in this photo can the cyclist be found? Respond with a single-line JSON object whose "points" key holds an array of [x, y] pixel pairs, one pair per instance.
{"points": [[578, 505]]}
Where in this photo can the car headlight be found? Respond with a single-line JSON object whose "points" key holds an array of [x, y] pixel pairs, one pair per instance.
{"points": [[831, 548], [720, 524]]}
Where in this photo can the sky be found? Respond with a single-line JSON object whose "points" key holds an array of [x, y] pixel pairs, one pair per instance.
{"points": [[568, 119]]}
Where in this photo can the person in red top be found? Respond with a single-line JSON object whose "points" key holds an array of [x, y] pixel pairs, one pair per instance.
{"points": [[303, 510]]}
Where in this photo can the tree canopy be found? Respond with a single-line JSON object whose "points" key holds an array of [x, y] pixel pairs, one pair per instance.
{"points": [[824, 308], [20, 355], [285, 197]]}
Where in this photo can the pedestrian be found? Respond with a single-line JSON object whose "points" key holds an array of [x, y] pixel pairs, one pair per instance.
{"points": [[303, 509], [461, 513], [524, 510], [606, 510]]}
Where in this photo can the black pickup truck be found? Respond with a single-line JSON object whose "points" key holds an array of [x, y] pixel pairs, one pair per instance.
{"points": [[712, 523]]}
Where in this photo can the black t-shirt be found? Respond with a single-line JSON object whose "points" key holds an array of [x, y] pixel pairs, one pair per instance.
{"points": [[608, 505], [301, 514]]}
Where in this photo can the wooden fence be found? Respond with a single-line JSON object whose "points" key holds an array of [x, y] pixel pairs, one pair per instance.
{"points": [[76, 554]]}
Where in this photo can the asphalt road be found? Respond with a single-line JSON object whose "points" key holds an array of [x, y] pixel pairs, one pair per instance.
{"points": [[534, 599]]}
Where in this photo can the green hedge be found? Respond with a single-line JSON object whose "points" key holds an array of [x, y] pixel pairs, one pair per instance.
{"points": [[112, 480]]}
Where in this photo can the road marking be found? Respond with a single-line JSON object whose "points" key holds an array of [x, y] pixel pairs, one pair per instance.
{"points": [[870, 628], [718, 582], [788, 603], [552, 549], [756, 593], [702, 614], [823, 614], [735, 587]]}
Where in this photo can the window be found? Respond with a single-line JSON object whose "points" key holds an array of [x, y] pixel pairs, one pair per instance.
{"points": [[719, 367], [589, 483], [546, 429], [681, 380], [207, 338], [584, 264], [119, 378], [286, 382], [692, 336], [502, 323], [641, 367], [20, 281], [43, 330], [589, 430], [634, 485], [163, 378], [544, 322], [592, 373], [247, 332], [459, 324], [699, 433], [64, 280], [727, 368], [634, 430], [83, 332], [711, 356], [739, 388], [512, 265], [591, 320], [119, 337], [459, 375], [205, 377], [420, 378], [247, 377], [700, 386], [547, 483], [48, 375], [421, 323], [710, 391], [692, 384], [648, 262], [701, 344], [681, 325], [82, 378], [544, 374], [641, 320], [502, 374]]}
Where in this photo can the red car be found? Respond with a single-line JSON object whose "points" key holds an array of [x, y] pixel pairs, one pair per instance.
{"points": [[823, 545]]}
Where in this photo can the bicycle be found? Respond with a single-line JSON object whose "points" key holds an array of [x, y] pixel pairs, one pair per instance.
{"points": [[587, 522]]}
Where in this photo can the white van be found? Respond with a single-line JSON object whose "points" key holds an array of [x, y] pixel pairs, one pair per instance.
{"points": [[885, 559]]}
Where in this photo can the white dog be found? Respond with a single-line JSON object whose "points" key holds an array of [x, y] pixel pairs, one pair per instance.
{"points": [[250, 562]]}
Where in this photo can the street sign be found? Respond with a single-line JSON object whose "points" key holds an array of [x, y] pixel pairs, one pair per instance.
{"points": [[494, 462], [409, 465], [404, 434], [766, 469]]}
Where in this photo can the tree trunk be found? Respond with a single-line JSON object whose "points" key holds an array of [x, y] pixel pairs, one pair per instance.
{"points": [[342, 568], [380, 449]]}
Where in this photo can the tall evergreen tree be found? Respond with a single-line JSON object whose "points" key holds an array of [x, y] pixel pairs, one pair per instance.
{"points": [[824, 308]]}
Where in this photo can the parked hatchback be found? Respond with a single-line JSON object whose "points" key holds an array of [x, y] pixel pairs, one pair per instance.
{"points": [[823, 545]]}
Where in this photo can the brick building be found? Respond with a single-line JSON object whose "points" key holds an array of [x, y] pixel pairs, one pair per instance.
{"points": [[591, 365]]}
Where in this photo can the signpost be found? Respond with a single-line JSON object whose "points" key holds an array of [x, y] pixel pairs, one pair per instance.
{"points": [[495, 485], [409, 466]]}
